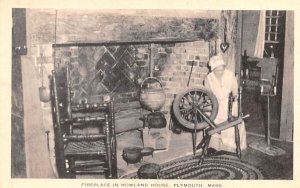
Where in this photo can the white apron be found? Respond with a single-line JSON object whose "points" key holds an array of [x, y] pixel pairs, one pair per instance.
{"points": [[221, 89]]}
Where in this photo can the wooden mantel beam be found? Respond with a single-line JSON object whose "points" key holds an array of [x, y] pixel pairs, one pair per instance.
{"points": [[115, 42]]}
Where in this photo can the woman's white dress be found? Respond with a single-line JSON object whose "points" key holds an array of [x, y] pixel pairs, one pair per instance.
{"points": [[221, 89]]}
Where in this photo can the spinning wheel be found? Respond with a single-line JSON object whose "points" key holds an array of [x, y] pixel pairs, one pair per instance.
{"points": [[190, 106], [196, 109]]}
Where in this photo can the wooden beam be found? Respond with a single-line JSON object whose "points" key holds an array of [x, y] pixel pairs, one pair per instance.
{"points": [[117, 42], [287, 103], [238, 50], [38, 163]]}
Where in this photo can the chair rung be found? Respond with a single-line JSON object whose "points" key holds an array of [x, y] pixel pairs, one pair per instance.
{"points": [[89, 163], [85, 166], [89, 107], [78, 138], [89, 172], [85, 153], [85, 119]]}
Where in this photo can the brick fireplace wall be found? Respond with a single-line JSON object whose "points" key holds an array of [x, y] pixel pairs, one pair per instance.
{"points": [[119, 70], [99, 70], [177, 68]]}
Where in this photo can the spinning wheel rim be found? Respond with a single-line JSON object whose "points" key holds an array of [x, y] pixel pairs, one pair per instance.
{"points": [[203, 92]]}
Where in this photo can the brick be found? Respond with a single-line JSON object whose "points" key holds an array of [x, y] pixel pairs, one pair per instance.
{"points": [[178, 44], [204, 58], [185, 68], [184, 57], [191, 57], [163, 78], [169, 50], [175, 79], [184, 80], [168, 90], [170, 95], [195, 74], [200, 43], [178, 56], [175, 62], [171, 85], [202, 51], [180, 74], [168, 72], [178, 67], [183, 50], [172, 56], [190, 63], [163, 84], [203, 64]]}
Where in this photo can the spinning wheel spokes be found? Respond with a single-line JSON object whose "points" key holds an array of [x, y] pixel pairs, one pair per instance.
{"points": [[189, 104], [197, 100]]}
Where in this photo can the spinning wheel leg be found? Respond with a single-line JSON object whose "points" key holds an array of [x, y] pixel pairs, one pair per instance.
{"points": [[237, 141], [204, 149], [194, 143], [201, 144]]}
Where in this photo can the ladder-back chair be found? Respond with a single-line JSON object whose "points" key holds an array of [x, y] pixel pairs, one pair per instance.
{"points": [[78, 152]]}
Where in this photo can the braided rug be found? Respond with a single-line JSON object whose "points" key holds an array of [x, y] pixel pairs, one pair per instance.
{"points": [[217, 167]]}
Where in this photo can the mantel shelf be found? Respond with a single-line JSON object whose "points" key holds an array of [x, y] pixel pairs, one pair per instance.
{"points": [[115, 42]]}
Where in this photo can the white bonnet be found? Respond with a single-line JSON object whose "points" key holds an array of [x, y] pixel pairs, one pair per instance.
{"points": [[216, 61]]}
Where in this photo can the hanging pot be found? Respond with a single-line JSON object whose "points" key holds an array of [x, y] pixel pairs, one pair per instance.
{"points": [[44, 93], [152, 97], [156, 120], [132, 154]]}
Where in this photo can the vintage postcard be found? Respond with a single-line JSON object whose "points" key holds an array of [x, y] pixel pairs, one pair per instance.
{"points": [[148, 94]]}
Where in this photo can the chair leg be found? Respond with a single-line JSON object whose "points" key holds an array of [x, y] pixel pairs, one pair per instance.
{"points": [[71, 163], [237, 142], [114, 159], [108, 148], [60, 162]]}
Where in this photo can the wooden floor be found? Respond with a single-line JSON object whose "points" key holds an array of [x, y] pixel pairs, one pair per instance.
{"points": [[280, 167]]}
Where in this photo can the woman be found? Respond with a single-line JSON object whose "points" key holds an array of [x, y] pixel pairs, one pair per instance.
{"points": [[222, 82]]}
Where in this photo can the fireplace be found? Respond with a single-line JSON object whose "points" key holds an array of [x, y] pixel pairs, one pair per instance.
{"points": [[118, 69]]}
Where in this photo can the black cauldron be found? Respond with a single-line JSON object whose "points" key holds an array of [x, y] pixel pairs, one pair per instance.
{"points": [[132, 155], [149, 171], [156, 120]]}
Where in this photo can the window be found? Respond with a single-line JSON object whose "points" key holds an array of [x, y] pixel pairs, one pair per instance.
{"points": [[274, 33]]}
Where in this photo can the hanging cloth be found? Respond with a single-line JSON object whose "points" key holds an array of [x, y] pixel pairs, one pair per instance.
{"points": [[260, 40]]}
